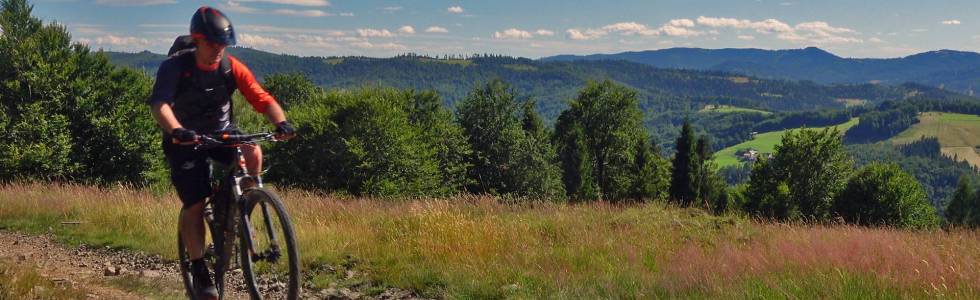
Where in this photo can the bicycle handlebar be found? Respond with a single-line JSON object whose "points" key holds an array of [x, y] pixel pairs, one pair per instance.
{"points": [[231, 140]]}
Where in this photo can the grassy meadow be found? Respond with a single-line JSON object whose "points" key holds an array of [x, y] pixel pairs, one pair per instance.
{"points": [[958, 134], [765, 143], [730, 109], [478, 247]]}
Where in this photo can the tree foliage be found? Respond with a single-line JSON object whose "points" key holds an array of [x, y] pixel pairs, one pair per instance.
{"points": [[506, 158], [601, 136], [964, 206], [883, 194], [809, 169], [67, 113]]}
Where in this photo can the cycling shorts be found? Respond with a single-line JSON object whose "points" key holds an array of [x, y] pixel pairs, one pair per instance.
{"points": [[190, 171]]}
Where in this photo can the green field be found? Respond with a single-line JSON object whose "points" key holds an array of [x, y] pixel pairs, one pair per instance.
{"points": [[476, 247], [764, 143], [958, 134], [729, 109]]}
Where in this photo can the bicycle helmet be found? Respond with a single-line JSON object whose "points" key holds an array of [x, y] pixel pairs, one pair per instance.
{"points": [[211, 24]]}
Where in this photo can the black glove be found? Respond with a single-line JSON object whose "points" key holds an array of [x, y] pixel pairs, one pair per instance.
{"points": [[183, 136], [285, 131]]}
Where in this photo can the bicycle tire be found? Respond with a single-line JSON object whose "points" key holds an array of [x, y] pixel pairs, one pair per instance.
{"points": [[184, 266], [257, 198]]}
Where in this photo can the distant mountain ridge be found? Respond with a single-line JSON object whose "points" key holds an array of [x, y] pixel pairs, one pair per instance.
{"points": [[954, 70]]}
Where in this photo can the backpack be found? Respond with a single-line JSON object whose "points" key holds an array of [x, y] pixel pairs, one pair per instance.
{"points": [[185, 43]]}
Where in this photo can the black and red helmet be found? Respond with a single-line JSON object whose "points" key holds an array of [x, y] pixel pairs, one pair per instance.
{"points": [[211, 24]]}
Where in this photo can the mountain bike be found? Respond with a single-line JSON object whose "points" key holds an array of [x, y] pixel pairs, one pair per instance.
{"points": [[266, 252]]}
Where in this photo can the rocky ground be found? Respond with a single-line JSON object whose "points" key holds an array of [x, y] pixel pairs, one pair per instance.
{"points": [[111, 274]]}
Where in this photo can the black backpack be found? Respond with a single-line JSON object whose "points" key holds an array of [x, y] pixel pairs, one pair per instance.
{"points": [[185, 43]]}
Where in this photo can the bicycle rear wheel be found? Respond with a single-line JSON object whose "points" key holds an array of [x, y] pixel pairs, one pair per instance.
{"points": [[269, 253]]}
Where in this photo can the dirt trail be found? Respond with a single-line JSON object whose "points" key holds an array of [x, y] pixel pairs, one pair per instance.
{"points": [[112, 274]]}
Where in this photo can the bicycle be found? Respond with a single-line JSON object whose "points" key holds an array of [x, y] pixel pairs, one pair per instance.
{"points": [[233, 212]]}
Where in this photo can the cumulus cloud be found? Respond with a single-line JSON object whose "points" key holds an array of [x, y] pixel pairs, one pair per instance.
{"points": [[370, 32], [588, 34], [253, 40], [681, 23], [746, 37], [406, 29], [347, 14], [455, 9], [817, 32], [951, 22], [436, 29], [676, 27], [239, 8], [134, 2], [293, 2], [512, 33], [544, 32], [301, 13], [384, 46]]}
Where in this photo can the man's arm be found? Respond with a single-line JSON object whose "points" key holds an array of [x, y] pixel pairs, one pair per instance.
{"points": [[164, 115]]}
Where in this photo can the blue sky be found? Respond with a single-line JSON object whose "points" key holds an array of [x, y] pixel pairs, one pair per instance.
{"points": [[533, 28]]}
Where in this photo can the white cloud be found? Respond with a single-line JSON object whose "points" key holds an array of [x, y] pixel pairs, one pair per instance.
{"points": [[629, 28], [347, 14], [951, 22], [134, 2], [369, 32], [765, 26], [436, 29], [746, 37], [817, 32], [670, 30], [544, 32], [385, 46], [406, 29], [681, 23], [391, 9], [294, 2], [239, 8], [302, 13], [876, 40], [116, 40], [588, 34], [253, 40], [512, 33], [455, 9]]}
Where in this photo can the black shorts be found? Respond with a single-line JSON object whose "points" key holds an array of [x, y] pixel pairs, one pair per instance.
{"points": [[190, 171]]}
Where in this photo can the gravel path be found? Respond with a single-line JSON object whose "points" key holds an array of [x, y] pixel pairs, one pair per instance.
{"points": [[96, 269]]}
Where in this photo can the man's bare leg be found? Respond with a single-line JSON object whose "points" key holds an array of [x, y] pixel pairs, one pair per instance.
{"points": [[253, 163], [192, 229]]}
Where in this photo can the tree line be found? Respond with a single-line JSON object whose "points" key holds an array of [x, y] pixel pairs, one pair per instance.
{"points": [[69, 115]]}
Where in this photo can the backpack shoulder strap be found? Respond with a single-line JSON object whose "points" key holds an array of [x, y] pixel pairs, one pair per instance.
{"points": [[226, 73]]}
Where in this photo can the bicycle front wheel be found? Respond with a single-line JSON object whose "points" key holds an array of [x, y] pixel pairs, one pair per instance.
{"points": [[269, 254]]}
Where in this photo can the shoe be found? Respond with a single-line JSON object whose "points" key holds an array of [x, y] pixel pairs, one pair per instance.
{"points": [[204, 288]]}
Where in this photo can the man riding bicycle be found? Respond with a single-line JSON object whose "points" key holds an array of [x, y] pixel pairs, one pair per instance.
{"points": [[191, 96]]}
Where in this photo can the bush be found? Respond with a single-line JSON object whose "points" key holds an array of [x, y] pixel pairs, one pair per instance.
{"points": [[883, 194]]}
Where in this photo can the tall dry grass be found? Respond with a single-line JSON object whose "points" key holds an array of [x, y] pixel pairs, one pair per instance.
{"points": [[478, 247]]}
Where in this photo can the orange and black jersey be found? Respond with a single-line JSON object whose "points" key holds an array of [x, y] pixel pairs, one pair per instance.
{"points": [[201, 98]]}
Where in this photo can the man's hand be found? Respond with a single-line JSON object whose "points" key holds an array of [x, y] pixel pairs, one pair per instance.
{"points": [[183, 136], [285, 131]]}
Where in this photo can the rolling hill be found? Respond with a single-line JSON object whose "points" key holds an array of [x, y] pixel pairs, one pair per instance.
{"points": [[551, 84], [764, 143], [958, 134], [953, 70]]}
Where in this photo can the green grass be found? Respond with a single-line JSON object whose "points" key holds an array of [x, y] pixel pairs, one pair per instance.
{"points": [[730, 109], [764, 143], [958, 134], [477, 247]]}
